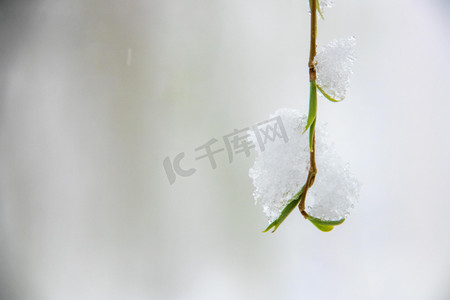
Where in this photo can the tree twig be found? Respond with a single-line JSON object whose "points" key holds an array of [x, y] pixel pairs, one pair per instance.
{"points": [[313, 46], [312, 78]]}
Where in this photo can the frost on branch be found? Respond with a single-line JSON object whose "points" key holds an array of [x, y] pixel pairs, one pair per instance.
{"points": [[281, 170], [333, 65]]}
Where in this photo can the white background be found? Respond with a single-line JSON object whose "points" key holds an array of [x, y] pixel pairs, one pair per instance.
{"points": [[95, 94]]}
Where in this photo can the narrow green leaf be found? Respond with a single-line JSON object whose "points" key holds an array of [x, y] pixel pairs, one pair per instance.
{"points": [[325, 222], [286, 211], [311, 135], [324, 225], [328, 96], [312, 105], [324, 228], [319, 10]]}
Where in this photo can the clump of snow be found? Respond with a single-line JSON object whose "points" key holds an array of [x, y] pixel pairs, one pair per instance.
{"points": [[334, 66], [335, 190], [281, 170]]}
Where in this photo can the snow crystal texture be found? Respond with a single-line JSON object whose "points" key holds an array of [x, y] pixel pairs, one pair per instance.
{"points": [[334, 66], [281, 170]]}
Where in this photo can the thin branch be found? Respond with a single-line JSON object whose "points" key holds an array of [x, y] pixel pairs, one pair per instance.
{"points": [[312, 78], [313, 46]]}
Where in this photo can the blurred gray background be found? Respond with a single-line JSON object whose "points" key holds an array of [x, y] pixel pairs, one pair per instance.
{"points": [[95, 94]]}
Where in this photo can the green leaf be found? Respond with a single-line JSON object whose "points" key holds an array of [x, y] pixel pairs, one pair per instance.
{"points": [[311, 135], [319, 10], [312, 105], [324, 228], [323, 225], [328, 96], [286, 211]]}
